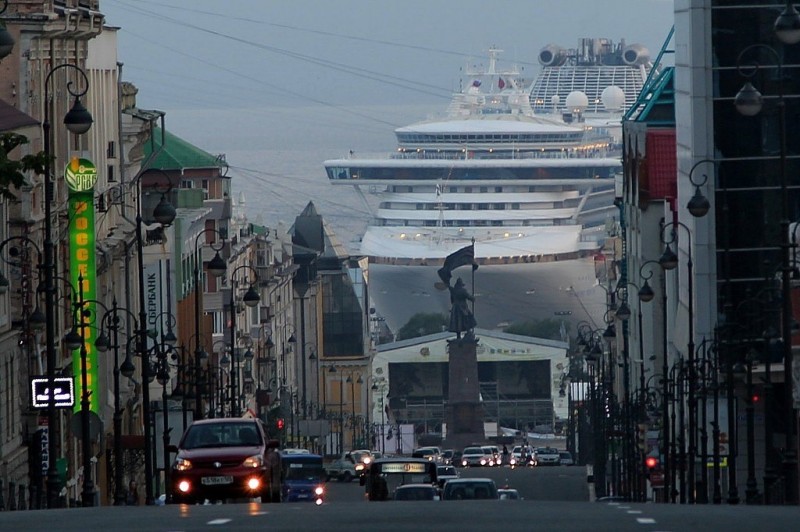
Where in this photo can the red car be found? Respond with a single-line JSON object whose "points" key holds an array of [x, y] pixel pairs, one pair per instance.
{"points": [[226, 458]]}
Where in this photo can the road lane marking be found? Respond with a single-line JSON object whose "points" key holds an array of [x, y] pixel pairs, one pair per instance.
{"points": [[634, 511], [645, 520], [219, 521]]}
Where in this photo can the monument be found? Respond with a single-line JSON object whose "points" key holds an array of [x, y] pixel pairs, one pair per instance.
{"points": [[464, 411]]}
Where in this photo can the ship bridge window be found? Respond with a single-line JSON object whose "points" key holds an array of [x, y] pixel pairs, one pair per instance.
{"points": [[498, 189], [453, 189], [484, 189], [468, 190], [515, 206], [498, 206]]}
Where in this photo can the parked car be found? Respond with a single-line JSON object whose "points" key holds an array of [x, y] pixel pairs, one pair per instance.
{"points": [[445, 473], [547, 456], [226, 458], [566, 458], [416, 492], [469, 489]]}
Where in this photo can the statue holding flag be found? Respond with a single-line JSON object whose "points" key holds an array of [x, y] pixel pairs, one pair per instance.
{"points": [[462, 318]]}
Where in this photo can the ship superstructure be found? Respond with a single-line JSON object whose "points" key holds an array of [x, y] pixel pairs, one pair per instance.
{"points": [[523, 185]]}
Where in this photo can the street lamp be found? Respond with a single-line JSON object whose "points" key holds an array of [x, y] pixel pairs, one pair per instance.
{"points": [[749, 102], [110, 320], [77, 340], [251, 299], [164, 213], [646, 294], [669, 261], [216, 267], [78, 121]]}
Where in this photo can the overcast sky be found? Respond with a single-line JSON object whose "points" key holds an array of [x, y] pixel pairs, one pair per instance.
{"points": [[343, 56]]}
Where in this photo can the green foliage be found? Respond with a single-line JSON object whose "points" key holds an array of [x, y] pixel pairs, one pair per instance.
{"points": [[549, 329], [12, 172], [421, 324]]}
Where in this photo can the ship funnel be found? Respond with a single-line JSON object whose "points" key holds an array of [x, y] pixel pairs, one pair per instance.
{"points": [[635, 54], [552, 55]]}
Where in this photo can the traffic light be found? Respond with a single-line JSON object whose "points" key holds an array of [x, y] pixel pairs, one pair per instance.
{"points": [[650, 464], [279, 423]]}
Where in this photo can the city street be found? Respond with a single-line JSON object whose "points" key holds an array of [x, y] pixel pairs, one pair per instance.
{"points": [[555, 498]]}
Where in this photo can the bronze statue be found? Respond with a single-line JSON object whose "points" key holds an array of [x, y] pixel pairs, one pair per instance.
{"points": [[461, 317]]}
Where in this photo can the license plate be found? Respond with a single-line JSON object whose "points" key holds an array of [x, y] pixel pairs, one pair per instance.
{"points": [[216, 481], [303, 496]]}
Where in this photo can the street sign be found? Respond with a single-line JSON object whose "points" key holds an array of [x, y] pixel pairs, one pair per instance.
{"points": [[61, 393]]}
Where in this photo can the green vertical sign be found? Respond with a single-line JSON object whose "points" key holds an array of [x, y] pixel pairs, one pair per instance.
{"points": [[81, 175]]}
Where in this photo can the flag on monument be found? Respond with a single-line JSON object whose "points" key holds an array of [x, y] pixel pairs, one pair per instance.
{"points": [[462, 257]]}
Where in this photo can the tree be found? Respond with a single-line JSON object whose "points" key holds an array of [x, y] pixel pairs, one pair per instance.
{"points": [[421, 324], [12, 172]]}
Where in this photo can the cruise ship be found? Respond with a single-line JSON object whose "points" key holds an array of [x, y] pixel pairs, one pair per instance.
{"points": [[526, 171]]}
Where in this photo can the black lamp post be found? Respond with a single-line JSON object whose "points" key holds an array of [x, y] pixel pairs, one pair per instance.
{"points": [[75, 339], [78, 121], [216, 267], [669, 261], [251, 299], [749, 102], [164, 214], [646, 294], [110, 320]]}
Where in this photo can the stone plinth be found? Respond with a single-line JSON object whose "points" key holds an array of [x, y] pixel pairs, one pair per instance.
{"points": [[464, 413]]}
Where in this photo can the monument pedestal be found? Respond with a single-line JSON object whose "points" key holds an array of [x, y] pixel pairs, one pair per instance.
{"points": [[464, 413]]}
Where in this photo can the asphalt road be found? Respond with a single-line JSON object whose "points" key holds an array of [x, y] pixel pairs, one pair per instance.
{"points": [[456, 516], [503, 294]]}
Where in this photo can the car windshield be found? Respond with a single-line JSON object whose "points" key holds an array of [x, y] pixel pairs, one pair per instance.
{"points": [[446, 470], [221, 435], [304, 471], [414, 493], [473, 450]]}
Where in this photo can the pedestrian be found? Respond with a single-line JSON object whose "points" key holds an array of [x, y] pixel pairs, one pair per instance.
{"points": [[133, 494]]}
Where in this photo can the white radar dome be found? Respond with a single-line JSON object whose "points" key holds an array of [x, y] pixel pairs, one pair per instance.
{"points": [[613, 98], [577, 101]]}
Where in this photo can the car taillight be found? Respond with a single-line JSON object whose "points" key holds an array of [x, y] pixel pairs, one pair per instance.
{"points": [[182, 464], [253, 461]]}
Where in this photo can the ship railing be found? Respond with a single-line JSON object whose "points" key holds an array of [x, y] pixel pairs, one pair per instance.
{"points": [[456, 156]]}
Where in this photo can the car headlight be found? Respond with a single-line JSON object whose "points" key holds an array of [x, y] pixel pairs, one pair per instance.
{"points": [[463, 462], [367, 461], [483, 462], [182, 464], [319, 490], [360, 467], [253, 461]]}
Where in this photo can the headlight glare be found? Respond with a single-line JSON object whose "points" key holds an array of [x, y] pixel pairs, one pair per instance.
{"points": [[182, 464], [253, 461]]}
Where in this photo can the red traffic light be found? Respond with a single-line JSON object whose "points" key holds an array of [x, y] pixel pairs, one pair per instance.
{"points": [[651, 462], [280, 423]]}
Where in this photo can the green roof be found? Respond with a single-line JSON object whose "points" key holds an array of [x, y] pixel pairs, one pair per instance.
{"points": [[179, 154]]}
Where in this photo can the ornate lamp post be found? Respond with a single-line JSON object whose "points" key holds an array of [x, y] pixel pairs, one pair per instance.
{"points": [[110, 320], [78, 121], [669, 261], [216, 267], [164, 214], [251, 299], [749, 102]]}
